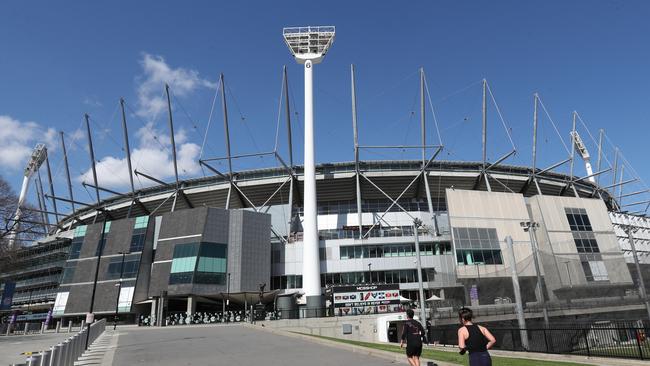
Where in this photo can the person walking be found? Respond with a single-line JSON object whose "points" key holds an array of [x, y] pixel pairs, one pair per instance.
{"points": [[474, 338], [414, 335]]}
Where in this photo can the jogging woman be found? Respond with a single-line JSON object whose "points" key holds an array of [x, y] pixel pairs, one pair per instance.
{"points": [[475, 339]]}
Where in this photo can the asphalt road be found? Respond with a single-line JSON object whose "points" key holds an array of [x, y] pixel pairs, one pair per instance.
{"points": [[11, 347], [228, 345]]}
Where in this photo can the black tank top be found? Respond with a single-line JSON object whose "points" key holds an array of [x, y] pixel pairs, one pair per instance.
{"points": [[476, 342]]}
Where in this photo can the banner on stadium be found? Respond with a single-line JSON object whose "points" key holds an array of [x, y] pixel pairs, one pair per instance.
{"points": [[365, 295], [7, 296]]}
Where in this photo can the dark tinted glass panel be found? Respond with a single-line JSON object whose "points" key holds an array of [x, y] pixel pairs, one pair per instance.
{"points": [[186, 250], [181, 277], [212, 250], [210, 278], [137, 240], [68, 272], [75, 247]]}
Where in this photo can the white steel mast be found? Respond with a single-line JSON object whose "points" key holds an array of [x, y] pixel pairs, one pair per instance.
{"points": [[308, 46], [38, 157]]}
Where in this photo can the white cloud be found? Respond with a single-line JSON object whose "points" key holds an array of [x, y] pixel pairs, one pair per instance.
{"points": [[156, 72], [17, 140], [153, 152]]}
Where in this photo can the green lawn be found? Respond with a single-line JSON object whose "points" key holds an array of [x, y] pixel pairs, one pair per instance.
{"points": [[452, 357]]}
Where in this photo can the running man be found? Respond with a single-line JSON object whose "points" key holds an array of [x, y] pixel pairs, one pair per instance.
{"points": [[414, 335]]}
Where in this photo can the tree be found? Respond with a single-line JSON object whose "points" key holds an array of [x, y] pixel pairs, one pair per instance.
{"points": [[27, 228]]}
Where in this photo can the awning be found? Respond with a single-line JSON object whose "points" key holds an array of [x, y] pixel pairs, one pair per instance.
{"points": [[433, 298]]}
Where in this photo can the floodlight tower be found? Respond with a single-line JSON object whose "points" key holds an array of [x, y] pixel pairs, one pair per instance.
{"points": [[38, 157], [308, 46]]}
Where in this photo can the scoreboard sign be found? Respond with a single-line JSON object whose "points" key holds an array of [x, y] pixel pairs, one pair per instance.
{"points": [[365, 295]]}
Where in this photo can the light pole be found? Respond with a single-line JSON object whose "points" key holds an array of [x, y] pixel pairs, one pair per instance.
{"points": [[644, 296], [531, 228], [119, 289], [227, 303], [418, 263], [521, 320], [308, 46]]}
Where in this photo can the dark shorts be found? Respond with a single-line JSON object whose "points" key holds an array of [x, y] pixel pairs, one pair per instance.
{"points": [[412, 351], [480, 359]]}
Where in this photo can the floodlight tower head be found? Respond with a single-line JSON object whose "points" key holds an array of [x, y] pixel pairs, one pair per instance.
{"points": [[309, 43]]}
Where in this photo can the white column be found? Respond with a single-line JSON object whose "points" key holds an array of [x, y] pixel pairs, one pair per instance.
{"points": [[310, 261]]}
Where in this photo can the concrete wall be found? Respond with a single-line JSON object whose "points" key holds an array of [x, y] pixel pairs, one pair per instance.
{"points": [[501, 211], [364, 328], [558, 253]]}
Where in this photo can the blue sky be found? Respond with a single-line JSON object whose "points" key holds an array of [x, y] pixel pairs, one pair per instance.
{"points": [[59, 61]]}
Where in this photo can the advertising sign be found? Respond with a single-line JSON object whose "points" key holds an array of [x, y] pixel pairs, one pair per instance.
{"points": [[7, 296], [364, 299]]}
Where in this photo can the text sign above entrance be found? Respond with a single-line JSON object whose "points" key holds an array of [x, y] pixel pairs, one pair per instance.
{"points": [[365, 295]]}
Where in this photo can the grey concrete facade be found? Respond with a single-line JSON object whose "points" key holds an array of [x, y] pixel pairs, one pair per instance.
{"points": [[245, 233]]}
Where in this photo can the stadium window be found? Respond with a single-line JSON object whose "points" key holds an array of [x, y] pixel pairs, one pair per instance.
{"points": [[137, 240], [595, 271], [131, 265], [480, 256], [585, 242], [80, 231], [578, 219], [75, 247], [68, 272]]}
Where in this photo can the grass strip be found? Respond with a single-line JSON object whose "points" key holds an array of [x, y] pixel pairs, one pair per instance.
{"points": [[452, 357]]}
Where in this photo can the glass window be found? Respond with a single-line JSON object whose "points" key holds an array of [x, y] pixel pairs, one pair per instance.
{"points": [[80, 231], [141, 222], [75, 247], [344, 252], [68, 272], [137, 240], [473, 256], [131, 265]]}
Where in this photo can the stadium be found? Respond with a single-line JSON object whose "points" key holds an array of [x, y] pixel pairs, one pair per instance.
{"points": [[443, 233]]}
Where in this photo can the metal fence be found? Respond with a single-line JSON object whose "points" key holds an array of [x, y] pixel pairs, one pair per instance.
{"points": [[601, 339], [68, 351]]}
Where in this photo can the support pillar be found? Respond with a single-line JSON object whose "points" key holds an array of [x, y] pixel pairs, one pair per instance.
{"points": [[153, 312], [191, 305]]}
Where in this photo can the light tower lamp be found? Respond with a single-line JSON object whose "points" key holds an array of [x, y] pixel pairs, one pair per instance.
{"points": [[308, 46]]}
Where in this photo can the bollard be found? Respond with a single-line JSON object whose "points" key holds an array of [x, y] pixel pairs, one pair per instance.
{"points": [[57, 355], [77, 342], [33, 360], [58, 326], [66, 353], [69, 325], [45, 358]]}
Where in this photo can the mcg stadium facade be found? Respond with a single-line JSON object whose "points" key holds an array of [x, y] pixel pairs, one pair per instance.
{"points": [[214, 239]]}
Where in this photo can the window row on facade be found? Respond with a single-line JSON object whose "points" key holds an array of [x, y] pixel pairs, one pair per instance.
{"points": [[392, 250], [137, 238], [350, 206], [354, 278]]}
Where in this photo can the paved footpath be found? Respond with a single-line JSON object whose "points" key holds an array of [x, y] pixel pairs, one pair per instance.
{"points": [[12, 346], [228, 345]]}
